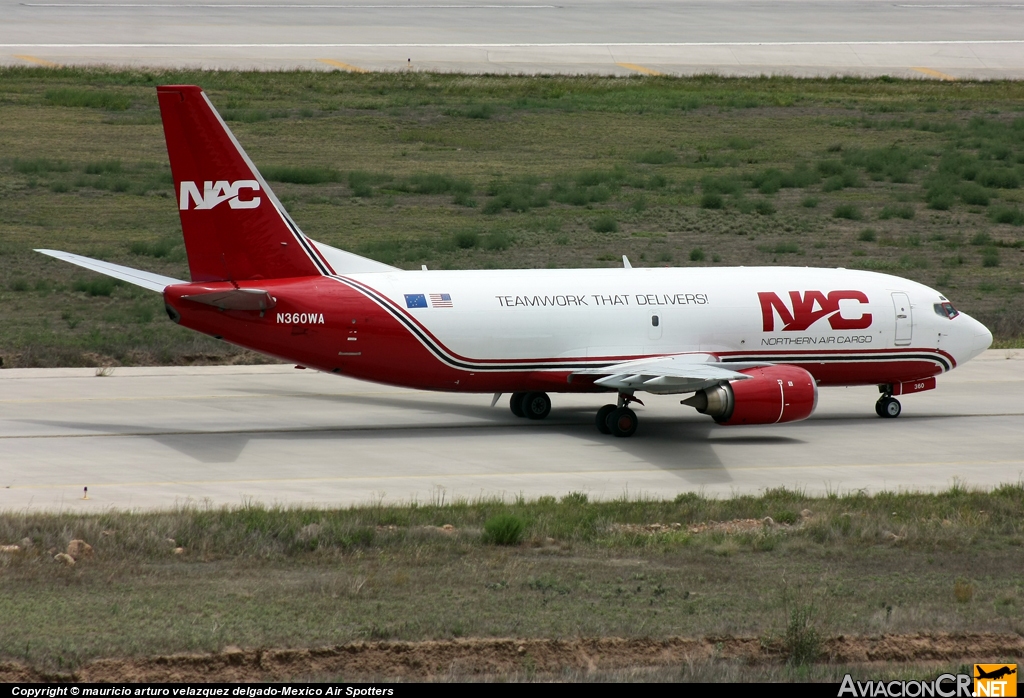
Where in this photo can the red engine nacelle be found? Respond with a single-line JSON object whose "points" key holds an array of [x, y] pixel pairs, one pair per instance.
{"points": [[774, 394]]}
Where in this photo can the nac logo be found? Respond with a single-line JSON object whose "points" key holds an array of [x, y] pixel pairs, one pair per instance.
{"points": [[807, 308], [216, 193]]}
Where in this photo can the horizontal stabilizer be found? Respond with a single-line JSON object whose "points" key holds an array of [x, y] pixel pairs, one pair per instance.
{"points": [[145, 279], [235, 299]]}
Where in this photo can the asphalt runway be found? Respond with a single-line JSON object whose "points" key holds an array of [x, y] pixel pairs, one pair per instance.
{"points": [[151, 438], [939, 40]]}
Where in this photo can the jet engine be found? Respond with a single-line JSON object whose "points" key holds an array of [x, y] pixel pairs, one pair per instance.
{"points": [[773, 394]]}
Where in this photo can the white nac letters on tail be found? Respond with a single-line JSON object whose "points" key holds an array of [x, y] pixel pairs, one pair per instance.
{"points": [[215, 193]]}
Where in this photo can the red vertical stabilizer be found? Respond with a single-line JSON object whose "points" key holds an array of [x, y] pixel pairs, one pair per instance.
{"points": [[235, 228]]}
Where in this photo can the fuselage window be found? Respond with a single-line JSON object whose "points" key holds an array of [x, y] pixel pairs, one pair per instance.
{"points": [[946, 310], [655, 321]]}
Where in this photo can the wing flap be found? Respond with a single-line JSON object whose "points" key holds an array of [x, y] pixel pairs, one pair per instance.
{"points": [[667, 375]]}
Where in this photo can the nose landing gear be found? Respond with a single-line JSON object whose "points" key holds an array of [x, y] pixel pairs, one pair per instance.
{"points": [[888, 407]]}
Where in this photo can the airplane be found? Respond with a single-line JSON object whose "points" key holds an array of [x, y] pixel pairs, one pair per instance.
{"points": [[995, 673], [749, 345]]}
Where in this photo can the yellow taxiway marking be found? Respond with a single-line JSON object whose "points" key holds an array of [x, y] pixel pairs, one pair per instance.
{"points": [[343, 66], [935, 74], [639, 68], [39, 61], [96, 485]]}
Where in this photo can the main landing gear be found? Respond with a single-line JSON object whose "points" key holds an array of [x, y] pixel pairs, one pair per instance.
{"points": [[887, 406], [618, 420], [530, 405]]}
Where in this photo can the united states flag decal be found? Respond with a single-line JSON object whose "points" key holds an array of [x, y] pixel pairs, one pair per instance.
{"points": [[440, 300]]}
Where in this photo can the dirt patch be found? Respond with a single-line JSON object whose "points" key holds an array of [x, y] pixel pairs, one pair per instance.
{"points": [[483, 657]]}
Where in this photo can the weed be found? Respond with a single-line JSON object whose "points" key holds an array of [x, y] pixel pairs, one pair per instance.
{"points": [[467, 239], [1011, 215], [656, 157], [963, 591], [990, 258], [847, 211], [809, 202], [504, 529], [75, 97], [764, 207], [905, 211], [604, 224], [802, 643], [97, 287], [302, 175], [867, 235], [712, 200]]}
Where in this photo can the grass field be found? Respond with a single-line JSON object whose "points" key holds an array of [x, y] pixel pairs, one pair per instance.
{"points": [[202, 579], [918, 178]]}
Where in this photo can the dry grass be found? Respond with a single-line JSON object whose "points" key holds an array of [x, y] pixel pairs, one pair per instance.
{"points": [[200, 579]]}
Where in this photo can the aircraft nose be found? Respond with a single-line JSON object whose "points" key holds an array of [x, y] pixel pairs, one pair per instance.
{"points": [[982, 340]]}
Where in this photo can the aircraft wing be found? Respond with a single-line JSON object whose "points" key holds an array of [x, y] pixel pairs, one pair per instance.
{"points": [[145, 279], [668, 375]]}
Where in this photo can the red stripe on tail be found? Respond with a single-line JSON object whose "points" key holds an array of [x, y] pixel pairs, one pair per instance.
{"points": [[235, 228]]}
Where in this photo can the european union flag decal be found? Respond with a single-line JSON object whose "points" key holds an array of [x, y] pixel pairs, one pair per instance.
{"points": [[415, 300]]}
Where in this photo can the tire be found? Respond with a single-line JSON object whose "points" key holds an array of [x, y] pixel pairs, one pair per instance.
{"points": [[536, 405], [516, 404], [622, 422], [602, 418], [878, 407], [892, 408]]}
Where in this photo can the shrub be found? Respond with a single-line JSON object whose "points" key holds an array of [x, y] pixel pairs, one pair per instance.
{"points": [[905, 211], [605, 224], [503, 529], [712, 200], [39, 166], [809, 202], [990, 258], [499, 240], [302, 175], [867, 235], [72, 97], [802, 641], [764, 207], [656, 157], [480, 111], [1000, 178], [974, 194], [848, 211], [435, 184], [97, 287], [466, 239], [939, 199], [1007, 214], [696, 255], [19, 285]]}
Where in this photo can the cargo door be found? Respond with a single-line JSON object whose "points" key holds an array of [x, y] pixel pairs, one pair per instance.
{"points": [[904, 319]]}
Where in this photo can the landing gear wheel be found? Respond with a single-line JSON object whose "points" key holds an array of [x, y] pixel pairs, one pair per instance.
{"points": [[516, 404], [622, 422], [536, 405], [888, 407], [602, 418]]}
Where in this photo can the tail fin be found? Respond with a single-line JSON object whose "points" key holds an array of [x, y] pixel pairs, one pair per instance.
{"points": [[235, 228]]}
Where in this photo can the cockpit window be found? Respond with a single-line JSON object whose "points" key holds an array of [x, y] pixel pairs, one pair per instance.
{"points": [[946, 310]]}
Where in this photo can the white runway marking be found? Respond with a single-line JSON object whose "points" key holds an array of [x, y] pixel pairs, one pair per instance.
{"points": [[294, 7], [599, 44]]}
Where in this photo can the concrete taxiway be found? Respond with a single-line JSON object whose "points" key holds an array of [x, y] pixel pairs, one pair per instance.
{"points": [[145, 438], [943, 40]]}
